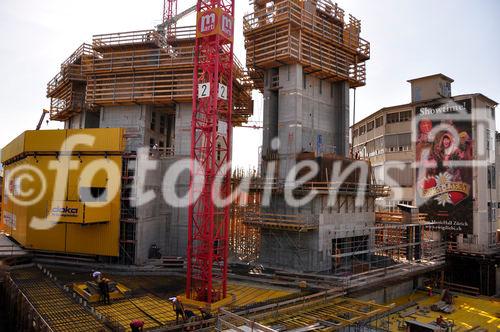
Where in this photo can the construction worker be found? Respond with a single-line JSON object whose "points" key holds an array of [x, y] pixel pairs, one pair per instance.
{"points": [[105, 282], [179, 309], [440, 321], [102, 287], [137, 325]]}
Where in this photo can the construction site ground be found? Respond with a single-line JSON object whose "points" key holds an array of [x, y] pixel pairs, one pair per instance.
{"points": [[149, 299], [149, 302]]}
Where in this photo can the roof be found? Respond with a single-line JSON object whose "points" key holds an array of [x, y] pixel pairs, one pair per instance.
{"points": [[424, 102], [446, 78]]}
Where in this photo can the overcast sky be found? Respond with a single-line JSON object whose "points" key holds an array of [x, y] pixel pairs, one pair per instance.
{"points": [[409, 38]]}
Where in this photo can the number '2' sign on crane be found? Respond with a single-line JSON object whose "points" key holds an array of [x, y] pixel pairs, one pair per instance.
{"points": [[211, 135]]}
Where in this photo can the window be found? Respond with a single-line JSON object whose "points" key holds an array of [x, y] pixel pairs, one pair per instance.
{"points": [[162, 144], [404, 177], [378, 174], [404, 140], [93, 194], [153, 121], [152, 143], [379, 145], [370, 148], [398, 142], [492, 177], [379, 122], [355, 133], [392, 117], [445, 89], [405, 116], [369, 126], [304, 81], [362, 130], [163, 123], [492, 215]]}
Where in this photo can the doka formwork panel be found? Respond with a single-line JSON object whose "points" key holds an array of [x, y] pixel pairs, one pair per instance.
{"points": [[96, 239]]}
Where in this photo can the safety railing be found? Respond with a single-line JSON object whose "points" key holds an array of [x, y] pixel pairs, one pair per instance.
{"points": [[84, 49], [289, 12], [321, 187], [472, 248], [68, 73], [130, 38], [179, 57], [357, 73], [228, 321], [161, 152], [398, 217], [331, 10], [282, 221], [74, 102], [184, 32]]}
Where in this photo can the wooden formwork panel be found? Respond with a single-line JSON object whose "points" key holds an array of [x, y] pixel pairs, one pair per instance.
{"points": [[147, 87], [157, 87], [137, 67], [284, 46], [140, 60]]}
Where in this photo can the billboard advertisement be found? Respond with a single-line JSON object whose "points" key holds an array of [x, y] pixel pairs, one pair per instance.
{"points": [[444, 154]]}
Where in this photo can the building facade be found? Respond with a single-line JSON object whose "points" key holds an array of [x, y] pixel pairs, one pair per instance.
{"points": [[389, 140], [438, 153]]}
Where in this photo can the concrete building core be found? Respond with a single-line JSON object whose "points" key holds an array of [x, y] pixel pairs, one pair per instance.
{"points": [[140, 82], [305, 82]]}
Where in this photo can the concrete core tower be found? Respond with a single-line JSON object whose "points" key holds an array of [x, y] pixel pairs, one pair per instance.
{"points": [[304, 58]]}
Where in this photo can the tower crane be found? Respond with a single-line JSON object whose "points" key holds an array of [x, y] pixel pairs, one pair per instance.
{"points": [[171, 21], [169, 12], [211, 135], [171, 17]]}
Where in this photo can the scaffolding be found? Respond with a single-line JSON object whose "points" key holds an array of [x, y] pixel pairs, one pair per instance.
{"points": [[244, 240], [136, 67], [311, 33], [128, 216]]}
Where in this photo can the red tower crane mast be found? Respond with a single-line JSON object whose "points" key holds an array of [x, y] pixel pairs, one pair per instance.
{"points": [[169, 12], [211, 133]]}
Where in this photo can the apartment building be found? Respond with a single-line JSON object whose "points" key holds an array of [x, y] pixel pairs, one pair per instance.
{"points": [[394, 139], [437, 152]]}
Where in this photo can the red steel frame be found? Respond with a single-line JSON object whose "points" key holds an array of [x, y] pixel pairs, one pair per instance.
{"points": [[208, 224], [169, 12]]}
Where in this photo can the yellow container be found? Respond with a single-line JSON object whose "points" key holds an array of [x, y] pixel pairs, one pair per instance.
{"points": [[75, 200]]}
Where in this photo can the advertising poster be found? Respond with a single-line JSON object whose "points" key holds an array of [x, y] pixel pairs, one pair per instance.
{"points": [[444, 153]]}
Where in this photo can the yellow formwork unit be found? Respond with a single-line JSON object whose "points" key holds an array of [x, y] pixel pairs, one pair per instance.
{"points": [[240, 295], [84, 168], [470, 312]]}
